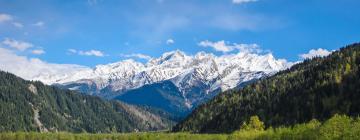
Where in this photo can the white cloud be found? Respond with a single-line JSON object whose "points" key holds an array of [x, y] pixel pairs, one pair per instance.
{"points": [[248, 48], [5, 18], [28, 68], [315, 53], [72, 50], [39, 24], [87, 53], [92, 53], [18, 25], [170, 41], [224, 47], [38, 51], [218, 46], [19, 45], [10, 19], [243, 1], [136, 55]]}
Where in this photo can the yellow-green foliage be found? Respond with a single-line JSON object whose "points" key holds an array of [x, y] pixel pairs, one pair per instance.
{"points": [[254, 123], [336, 127]]}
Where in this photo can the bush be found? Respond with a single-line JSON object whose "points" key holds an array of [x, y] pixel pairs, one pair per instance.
{"points": [[254, 123], [354, 131], [336, 127]]}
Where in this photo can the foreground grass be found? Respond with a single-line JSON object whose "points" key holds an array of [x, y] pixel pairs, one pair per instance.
{"points": [[338, 127], [126, 136]]}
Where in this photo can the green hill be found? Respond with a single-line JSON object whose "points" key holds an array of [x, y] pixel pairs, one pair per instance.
{"points": [[33, 106], [314, 89]]}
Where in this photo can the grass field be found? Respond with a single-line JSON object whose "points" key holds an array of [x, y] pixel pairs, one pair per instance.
{"points": [[338, 127]]}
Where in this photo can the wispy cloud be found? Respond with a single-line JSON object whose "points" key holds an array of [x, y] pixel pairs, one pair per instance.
{"points": [[315, 53], [217, 46], [96, 53], [39, 24], [16, 44], [72, 51], [92, 53], [10, 19], [224, 47], [170, 41], [38, 51], [243, 1], [250, 48], [136, 55], [18, 24], [236, 22], [158, 22], [156, 26], [5, 18]]}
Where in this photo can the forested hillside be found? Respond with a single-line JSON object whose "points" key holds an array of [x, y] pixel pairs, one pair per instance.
{"points": [[314, 89], [33, 106]]}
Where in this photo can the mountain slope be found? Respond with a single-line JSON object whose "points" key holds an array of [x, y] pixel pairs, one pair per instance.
{"points": [[216, 71], [168, 97], [196, 78], [162, 95], [32, 106], [317, 88]]}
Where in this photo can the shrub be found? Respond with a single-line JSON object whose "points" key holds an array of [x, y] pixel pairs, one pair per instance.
{"points": [[254, 123], [354, 131], [335, 127]]}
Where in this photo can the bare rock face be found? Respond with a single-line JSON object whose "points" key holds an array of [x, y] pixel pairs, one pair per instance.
{"points": [[33, 89], [37, 121], [148, 119]]}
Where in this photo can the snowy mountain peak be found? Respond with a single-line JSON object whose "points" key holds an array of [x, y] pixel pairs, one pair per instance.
{"points": [[124, 65], [175, 54], [168, 58], [204, 73]]}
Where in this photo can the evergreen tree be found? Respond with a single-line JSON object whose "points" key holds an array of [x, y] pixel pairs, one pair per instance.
{"points": [[317, 88]]}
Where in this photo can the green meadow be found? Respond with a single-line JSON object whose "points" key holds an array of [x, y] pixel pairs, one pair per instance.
{"points": [[338, 127]]}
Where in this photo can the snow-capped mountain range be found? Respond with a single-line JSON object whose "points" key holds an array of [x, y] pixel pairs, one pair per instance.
{"points": [[205, 72]]}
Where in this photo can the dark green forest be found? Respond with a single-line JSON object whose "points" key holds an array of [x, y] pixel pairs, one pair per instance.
{"points": [[302, 99], [33, 106], [314, 89]]}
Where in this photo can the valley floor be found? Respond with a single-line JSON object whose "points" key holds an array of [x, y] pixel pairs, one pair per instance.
{"points": [[337, 127]]}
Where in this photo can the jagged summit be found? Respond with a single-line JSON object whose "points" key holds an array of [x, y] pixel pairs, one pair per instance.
{"points": [[172, 64], [195, 76]]}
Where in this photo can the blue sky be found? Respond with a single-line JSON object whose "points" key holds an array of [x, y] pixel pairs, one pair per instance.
{"points": [[91, 32]]}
